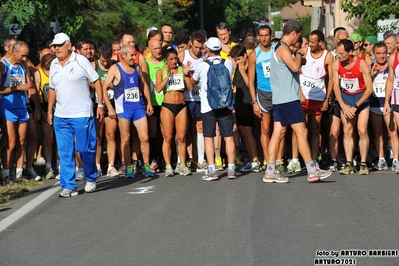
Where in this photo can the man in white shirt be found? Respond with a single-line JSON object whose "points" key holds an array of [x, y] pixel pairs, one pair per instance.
{"points": [[210, 116], [69, 92]]}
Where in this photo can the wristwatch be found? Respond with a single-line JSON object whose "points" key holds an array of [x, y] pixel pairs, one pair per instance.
{"points": [[355, 106], [300, 53], [254, 101], [100, 105]]}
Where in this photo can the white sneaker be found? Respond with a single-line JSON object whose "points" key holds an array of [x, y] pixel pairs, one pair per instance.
{"points": [[90, 186], [80, 175], [41, 161], [57, 177]]}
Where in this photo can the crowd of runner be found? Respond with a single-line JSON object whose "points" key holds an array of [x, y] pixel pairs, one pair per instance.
{"points": [[330, 98]]}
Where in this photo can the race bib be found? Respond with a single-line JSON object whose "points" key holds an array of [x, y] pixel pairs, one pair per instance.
{"points": [[175, 82], [379, 89], [396, 84], [308, 83], [16, 79], [132, 95], [110, 94], [266, 69], [350, 85], [46, 88], [196, 92], [153, 90]]}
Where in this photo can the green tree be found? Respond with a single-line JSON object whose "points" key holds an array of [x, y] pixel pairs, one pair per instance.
{"points": [[106, 19], [36, 15], [306, 22], [369, 11]]}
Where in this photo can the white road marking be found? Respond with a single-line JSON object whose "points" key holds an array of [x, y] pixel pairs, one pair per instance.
{"points": [[143, 190], [18, 214]]}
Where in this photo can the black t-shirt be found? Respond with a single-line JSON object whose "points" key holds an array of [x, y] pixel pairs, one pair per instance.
{"points": [[243, 98]]}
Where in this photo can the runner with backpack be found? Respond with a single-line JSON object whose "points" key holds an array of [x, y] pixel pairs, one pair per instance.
{"points": [[217, 102]]}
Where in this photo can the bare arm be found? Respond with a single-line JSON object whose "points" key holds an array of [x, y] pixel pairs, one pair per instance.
{"points": [[389, 85], [285, 55], [111, 76], [160, 82], [50, 104], [365, 69], [329, 79], [251, 81], [146, 91]]}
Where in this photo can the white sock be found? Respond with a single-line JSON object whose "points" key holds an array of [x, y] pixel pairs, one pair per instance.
{"points": [[395, 160], [18, 172], [177, 151], [98, 166], [295, 160], [382, 159], [200, 147]]}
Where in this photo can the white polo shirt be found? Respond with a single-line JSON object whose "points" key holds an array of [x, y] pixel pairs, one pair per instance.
{"points": [[201, 75], [71, 85]]}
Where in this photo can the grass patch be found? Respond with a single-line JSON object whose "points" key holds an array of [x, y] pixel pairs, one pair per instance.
{"points": [[17, 190]]}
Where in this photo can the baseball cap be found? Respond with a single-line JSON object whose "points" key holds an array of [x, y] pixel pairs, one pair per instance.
{"points": [[213, 43], [355, 37], [372, 39], [150, 29], [60, 38]]}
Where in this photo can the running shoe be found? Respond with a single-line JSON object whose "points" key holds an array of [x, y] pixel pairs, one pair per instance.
{"points": [[319, 175], [231, 174], [129, 171], [111, 171], [219, 164], [364, 170], [79, 174], [246, 168], [333, 166], [90, 187], [122, 169], [203, 167], [41, 161], [280, 167], [147, 171], [49, 174], [382, 165], [210, 176], [169, 172], [274, 178], [184, 170], [347, 170], [66, 193]]}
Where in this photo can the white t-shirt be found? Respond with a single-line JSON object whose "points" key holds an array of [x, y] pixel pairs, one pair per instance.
{"points": [[201, 75], [71, 85]]}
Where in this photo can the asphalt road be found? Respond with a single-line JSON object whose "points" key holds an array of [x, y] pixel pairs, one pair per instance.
{"points": [[186, 221]]}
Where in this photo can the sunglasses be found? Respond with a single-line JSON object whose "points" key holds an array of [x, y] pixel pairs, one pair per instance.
{"points": [[366, 44]]}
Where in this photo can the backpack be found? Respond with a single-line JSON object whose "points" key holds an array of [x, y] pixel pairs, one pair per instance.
{"points": [[219, 91]]}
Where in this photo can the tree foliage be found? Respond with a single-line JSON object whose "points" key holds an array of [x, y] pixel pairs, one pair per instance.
{"points": [[37, 14], [369, 11]]}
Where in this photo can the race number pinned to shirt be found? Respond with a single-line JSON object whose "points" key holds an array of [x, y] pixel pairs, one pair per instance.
{"points": [[196, 92], [308, 83], [350, 85], [379, 89], [132, 94], [266, 69], [175, 82], [46, 88], [110, 93], [396, 84], [153, 87], [17, 79]]}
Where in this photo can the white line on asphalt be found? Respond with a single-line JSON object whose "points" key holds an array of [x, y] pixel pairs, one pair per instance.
{"points": [[18, 214]]}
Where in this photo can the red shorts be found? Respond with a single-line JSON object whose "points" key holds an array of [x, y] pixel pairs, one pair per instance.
{"points": [[312, 107]]}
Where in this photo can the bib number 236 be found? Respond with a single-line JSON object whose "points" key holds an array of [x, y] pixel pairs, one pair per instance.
{"points": [[132, 95]]}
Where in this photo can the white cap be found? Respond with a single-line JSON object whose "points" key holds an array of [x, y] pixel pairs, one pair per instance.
{"points": [[150, 29], [60, 38], [213, 43]]}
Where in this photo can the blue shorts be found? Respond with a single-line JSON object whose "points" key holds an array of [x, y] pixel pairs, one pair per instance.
{"points": [[194, 109], [288, 113], [225, 119], [134, 115], [351, 99], [17, 116]]}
